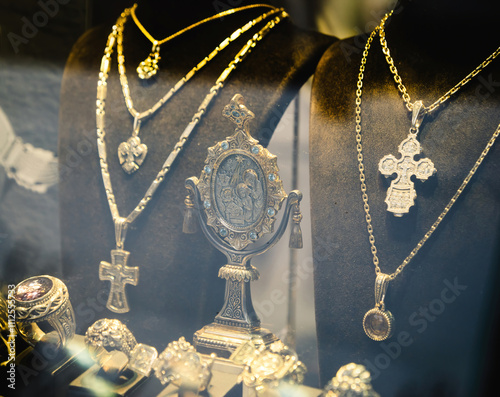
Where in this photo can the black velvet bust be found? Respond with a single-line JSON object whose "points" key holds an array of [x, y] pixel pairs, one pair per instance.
{"points": [[444, 301], [178, 290]]}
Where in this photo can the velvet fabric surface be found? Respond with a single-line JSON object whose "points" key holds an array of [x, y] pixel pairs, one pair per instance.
{"points": [[443, 301], [178, 290]]}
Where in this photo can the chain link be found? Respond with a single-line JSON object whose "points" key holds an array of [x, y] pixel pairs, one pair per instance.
{"points": [[194, 25], [149, 112], [361, 168], [402, 89], [102, 91]]}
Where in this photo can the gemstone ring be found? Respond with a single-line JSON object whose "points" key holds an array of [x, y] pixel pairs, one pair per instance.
{"points": [[40, 300]]}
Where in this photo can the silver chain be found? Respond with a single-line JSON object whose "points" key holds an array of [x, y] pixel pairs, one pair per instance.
{"points": [[402, 88], [362, 178]]}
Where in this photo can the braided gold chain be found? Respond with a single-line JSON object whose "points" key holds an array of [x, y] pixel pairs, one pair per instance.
{"points": [[362, 178]]}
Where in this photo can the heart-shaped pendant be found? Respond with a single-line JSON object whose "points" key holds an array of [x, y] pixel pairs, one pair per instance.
{"points": [[132, 154]]}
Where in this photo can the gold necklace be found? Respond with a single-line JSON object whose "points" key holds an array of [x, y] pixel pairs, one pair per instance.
{"points": [[401, 194], [149, 67], [117, 272], [132, 152], [378, 322]]}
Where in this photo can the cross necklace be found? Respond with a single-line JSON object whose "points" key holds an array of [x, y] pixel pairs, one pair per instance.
{"points": [[401, 194], [117, 272], [378, 322]]}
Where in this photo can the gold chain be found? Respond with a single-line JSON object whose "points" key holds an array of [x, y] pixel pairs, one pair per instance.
{"points": [[402, 89], [100, 113], [194, 25], [123, 77], [361, 168]]}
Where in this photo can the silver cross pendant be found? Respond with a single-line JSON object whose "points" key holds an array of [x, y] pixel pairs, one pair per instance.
{"points": [[401, 194]]}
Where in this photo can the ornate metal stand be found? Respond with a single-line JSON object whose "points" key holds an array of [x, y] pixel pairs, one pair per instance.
{"points": [[240, 193]]}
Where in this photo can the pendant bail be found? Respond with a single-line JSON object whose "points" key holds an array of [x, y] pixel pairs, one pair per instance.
{"points": [[121, 226], [137, 126], [156, 47], [381, 284], [417, 116]]}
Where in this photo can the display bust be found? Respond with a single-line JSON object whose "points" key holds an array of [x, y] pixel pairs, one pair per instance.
{"points": [[178, 290], [442, 301]]}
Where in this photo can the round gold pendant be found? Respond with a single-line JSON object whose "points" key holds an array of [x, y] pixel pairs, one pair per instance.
{"points": [[378, 324]]}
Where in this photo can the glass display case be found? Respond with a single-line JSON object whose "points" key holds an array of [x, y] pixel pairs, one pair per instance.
{"points": [[149, 152]]}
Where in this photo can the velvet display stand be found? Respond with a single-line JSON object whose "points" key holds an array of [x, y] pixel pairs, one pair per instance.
{"points": [[178, 290], [443, 300]]}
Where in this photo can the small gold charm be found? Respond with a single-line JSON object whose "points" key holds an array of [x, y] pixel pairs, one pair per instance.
{"points": [[149, 67], [378, 322]]}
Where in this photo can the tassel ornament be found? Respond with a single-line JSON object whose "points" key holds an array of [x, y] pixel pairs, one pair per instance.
{"points": [[189, 225], [296, 233]]}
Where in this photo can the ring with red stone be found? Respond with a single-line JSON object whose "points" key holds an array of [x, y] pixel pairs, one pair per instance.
{"points": [[42, 302]]}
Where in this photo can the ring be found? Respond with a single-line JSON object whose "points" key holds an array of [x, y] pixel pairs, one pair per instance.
{"points": [[180, 364], [42, 299], [266, 367], [106, 335], [351, 380]]}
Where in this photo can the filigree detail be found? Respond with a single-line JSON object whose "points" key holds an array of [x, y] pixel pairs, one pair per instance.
{"points": [[266, 367], [35, 304], [236, 258], [233, 309], [239, 186], [44, 308], [237, 112], [110, 334], [180, 364], [401, 193], [352, 380]]}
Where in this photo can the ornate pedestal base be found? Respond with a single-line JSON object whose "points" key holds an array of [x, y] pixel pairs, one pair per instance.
{"points": [[223, 339], [237, 321], [240, 193]]}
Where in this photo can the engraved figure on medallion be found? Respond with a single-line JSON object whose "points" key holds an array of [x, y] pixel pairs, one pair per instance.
{"points": [[240, 191]]}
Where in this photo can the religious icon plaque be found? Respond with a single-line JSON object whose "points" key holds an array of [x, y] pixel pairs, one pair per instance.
{"points": [[237, 199]]}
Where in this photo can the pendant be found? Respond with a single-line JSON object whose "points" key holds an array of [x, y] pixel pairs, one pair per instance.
{"points": [[117, 272], [401, 194], [378, 322], [132, 153], [149, 67]]}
